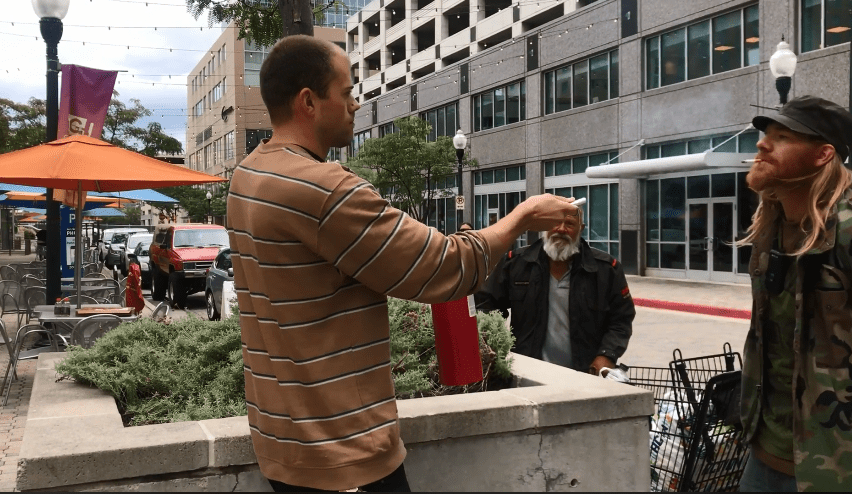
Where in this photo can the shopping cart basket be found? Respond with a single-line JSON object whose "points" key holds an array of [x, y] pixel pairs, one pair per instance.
{"points": [[696, 435]]}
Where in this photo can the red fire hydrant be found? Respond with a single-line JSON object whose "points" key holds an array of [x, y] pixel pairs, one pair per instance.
{"points": [[457, 342], [133, 291]]}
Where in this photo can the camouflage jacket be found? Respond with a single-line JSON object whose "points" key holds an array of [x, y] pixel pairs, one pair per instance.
{"points": [[822, 345]]}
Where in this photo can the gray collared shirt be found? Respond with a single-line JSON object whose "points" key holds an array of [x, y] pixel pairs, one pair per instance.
{"points": [[557, 342]]}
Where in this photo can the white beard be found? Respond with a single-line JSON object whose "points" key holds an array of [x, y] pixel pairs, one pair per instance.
{"points": [[560, 247]]}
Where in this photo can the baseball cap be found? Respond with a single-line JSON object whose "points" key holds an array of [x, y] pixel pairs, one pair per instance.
{"points": [[813, 116]]}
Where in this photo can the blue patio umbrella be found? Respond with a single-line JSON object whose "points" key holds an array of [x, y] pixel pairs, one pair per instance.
{"points": [[147, 195], [103, 212]]}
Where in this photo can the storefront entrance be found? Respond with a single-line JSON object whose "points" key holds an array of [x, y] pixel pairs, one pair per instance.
{"points": [[710, 233]]}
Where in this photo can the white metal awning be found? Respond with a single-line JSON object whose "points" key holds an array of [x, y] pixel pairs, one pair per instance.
{"points": [[708, 160]]}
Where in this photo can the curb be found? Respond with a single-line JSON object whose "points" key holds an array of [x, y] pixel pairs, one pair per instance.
{"points": [[694, 308]]}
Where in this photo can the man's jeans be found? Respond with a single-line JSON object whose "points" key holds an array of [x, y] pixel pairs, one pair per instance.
{"points": [[758, 477]]}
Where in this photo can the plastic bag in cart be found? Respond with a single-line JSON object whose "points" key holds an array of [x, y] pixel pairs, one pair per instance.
{"points": [[668, 450]]}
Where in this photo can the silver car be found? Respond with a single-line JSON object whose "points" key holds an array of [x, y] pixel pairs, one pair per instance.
{"points": [[140, 256], [132, 241], [221, 271]]}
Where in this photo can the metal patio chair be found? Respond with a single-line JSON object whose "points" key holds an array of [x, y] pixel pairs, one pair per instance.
{"points": [[87, 331]]}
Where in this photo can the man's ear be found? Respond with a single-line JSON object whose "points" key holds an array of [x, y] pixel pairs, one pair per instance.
{"points": [[304, 102], [824, 154]]}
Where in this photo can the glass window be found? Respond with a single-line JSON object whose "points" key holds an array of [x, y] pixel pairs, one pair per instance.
{"points": [[613, 74], [487, 177], [613, 213], [598, 159], [673, 210], [652, 152], [598, 228], [477, 110], [599, 78], [724, 185], [726, 42], [838, 21], [523, 100], [653, 256], [452, 120], [580, 192], [748, 142], [477, 178], [698, 187], [548, 168], [513, 104], [499, 175], [499, 107], [441, 122], [728, 147], [698, 50], [513, 174], [673, 55], [581, 84], [673, 256], [580, 164], [563, 89], [487, 111], [652, 59], [563, 192], [751, 36], [673, 149], [549, 81], [811, 25], [563, 167], [698, 146]]}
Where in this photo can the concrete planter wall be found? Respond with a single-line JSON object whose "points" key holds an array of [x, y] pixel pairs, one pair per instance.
{"points": [[557, 430]]}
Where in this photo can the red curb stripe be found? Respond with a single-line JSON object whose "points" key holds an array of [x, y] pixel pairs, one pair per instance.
{"points": [[695, 308]]}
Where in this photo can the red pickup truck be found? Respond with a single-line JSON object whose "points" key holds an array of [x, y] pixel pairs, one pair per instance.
{"points": [[180, 256]]}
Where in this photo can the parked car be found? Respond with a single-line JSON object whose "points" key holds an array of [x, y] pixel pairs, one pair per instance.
{"points": [[180, 256], [106, 239], [140, 256], [221, 271], [132, 241]]}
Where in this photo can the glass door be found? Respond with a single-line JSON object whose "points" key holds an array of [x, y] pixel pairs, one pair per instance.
{"points": [[698, 255], [711, 227]]}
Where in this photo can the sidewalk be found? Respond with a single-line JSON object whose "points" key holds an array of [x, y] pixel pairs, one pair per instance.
{"points": [[706, 298], [715, 299]]}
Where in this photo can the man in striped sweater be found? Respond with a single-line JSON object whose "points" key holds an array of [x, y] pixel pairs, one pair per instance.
{"points": [[316, 253]]}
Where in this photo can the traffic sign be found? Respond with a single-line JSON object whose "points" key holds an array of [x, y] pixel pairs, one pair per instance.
{"points": [[460, 203]]}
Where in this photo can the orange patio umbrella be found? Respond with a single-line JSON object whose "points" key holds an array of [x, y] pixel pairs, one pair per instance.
{"points": [[82, 163]]}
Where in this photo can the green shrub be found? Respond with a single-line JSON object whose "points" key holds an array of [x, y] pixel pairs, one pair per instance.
{"points": [[192, 369]]}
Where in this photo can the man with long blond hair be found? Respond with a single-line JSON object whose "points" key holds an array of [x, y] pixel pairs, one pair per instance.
{"points": [[797, 375]]}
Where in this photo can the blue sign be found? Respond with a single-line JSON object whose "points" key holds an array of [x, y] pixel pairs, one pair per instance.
{"points": [[67, 237]]}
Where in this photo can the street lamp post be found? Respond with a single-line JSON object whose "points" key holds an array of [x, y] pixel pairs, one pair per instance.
{"points": [[783, 66], [209, 210], [176, 211], [51, 13], [460, 142]]}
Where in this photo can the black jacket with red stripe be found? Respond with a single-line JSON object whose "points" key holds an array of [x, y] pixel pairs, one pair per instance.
{"points": [[600, 307]]}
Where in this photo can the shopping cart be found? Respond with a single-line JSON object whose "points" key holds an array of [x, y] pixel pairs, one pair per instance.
{"points": [[696, 435]]}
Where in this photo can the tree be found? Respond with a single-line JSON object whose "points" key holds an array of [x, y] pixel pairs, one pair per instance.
{"points": [[403, 166], [22, 125], [263, 22], [193, 200]]}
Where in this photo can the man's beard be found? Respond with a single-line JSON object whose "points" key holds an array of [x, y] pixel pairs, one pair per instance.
{"points": [[560, 247], [763, 177]]}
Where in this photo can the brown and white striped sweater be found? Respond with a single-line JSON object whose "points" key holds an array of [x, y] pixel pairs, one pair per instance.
{"points": [[316, 253]]}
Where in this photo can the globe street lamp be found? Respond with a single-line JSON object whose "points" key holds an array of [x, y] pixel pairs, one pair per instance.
{"points": [[783, 66], [460, 142], [51, 13], [209, 213]]}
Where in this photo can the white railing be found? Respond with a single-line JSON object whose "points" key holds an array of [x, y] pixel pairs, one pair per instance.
{"points": [[423, 15], [372, 45], [494, 24]]}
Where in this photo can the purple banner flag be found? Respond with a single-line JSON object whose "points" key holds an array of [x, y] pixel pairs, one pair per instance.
{"points": [[84, 102]]}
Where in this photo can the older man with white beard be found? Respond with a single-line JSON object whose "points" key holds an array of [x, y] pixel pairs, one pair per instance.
{"points": [[570, 303]]}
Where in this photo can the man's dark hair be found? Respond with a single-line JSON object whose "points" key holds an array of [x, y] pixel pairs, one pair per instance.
{"points": [[295, 62]]}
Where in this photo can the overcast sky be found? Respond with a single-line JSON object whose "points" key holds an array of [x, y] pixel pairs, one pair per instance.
{"points": [[131, 23]]}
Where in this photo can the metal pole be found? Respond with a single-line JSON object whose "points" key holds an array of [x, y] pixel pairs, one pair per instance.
{"points": [[51, 31], [78, 232]]}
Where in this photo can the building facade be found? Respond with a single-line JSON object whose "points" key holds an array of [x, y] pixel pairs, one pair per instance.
{"points": [[607, 81], [227, 118]]}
